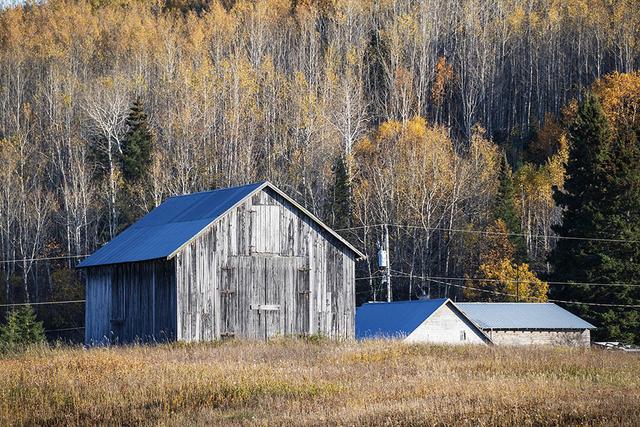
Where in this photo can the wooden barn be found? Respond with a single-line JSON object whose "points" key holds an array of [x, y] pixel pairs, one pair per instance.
{"points": [[244, 262], [441, 321]]}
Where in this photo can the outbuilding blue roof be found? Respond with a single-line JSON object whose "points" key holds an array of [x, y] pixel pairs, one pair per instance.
{"points": [[165, 229], [521, 315], [393, 319]]}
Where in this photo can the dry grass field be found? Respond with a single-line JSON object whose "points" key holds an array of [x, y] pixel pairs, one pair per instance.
{"points": [[317, 382]]}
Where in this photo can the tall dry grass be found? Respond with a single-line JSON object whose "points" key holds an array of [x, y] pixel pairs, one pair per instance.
{"points": [[300, 382]]}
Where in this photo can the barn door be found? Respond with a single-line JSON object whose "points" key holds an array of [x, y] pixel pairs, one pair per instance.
{"points": [[252, 282], [303, 297], [265, 296], [273, 298], [118, 309], [229, 300], [263, 286], [274, 308]]}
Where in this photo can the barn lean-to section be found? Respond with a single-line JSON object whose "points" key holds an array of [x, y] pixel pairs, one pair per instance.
{"points": [[131, 301], [257, 266]]}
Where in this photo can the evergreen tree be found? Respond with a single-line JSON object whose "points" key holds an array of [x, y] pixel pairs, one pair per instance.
{"points": [[340, 209], [21, 328], [505, 209], [376, 77], [136, 161], [601, 199], [137, 144]]}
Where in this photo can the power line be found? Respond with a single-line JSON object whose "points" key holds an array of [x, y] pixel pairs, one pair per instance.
{"points": [[368, 278], [493, 233], [64, 329], [513, 295], [9, 261], [475, 289], [43, 303], [480, 279]]}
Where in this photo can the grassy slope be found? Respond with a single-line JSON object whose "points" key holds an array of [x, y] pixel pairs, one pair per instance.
{"points": [[298, 382]]}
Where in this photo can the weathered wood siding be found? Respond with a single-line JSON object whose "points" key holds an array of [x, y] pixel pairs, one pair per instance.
{"points": [[130, 302], [261, 270]]}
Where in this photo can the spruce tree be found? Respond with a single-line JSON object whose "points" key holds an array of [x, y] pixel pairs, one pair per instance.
{"points": [[376, 77], [619, 260], [136, 162], [137, 144], [505, 209], [600, 199], [21, 328], [340, 206]]}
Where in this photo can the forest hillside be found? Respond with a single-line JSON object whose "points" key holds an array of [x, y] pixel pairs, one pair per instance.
{"points": [[448, 124]]}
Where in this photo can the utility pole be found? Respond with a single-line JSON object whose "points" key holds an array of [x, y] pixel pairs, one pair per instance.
{"points": [[383, 261], [388, 270]]}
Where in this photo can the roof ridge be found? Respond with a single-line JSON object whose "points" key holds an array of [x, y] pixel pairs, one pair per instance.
{"points": [[505, 302], [407, 301], [251, 184]]}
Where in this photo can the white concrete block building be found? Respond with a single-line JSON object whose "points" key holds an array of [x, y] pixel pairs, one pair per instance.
{"points": [[436, 321], [441, 321]]}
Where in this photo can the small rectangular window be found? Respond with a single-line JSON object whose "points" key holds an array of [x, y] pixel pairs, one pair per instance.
{"points": [[265, 229], [463, 335]]}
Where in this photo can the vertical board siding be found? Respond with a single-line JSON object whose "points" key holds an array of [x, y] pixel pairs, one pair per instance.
{"points": [[98, 306], [264, 252], [130, 302]]}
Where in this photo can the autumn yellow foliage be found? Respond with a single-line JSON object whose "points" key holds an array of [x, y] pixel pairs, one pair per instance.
{"points": [[620, 97], [499, 277], [513, 282], [619, 94]]}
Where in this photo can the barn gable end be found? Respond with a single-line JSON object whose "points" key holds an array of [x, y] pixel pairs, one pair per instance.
{"points": [[264, 269]]}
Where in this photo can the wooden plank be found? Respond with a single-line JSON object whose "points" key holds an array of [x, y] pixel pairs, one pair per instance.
{"points": [[265, 307], [273, 285], [303, 298], [123, 302], [98, 305]]}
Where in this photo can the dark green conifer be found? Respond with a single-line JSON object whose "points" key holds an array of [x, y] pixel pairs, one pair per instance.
{"points": [[137, 145], [601, 200], [21, 328], [340, 204], [505, 209]]}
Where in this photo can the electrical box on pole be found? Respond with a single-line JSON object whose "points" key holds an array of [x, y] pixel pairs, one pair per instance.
{"points": [[383, 258], [383, 261]]}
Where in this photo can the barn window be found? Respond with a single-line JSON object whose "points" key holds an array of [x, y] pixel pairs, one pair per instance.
{"points": [[463, 335], [265, 229]]}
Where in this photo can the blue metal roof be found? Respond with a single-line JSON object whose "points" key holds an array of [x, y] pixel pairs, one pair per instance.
{"points": [[166, 228], [393, 319], [521, 315]]}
